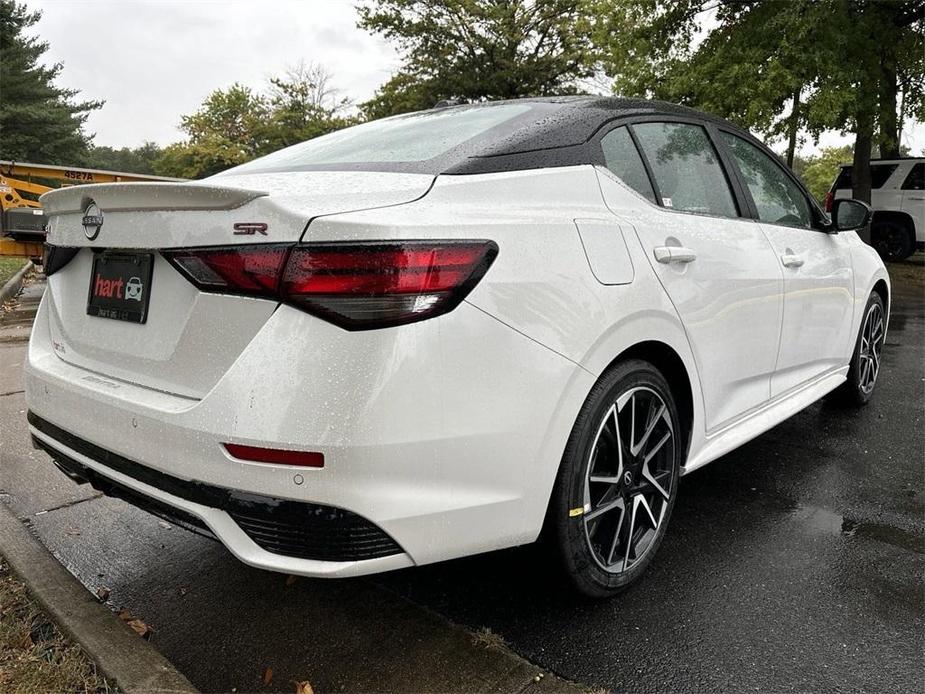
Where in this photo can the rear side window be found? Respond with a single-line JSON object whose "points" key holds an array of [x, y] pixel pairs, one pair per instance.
{"points": [[686, 168], [879, 175], [779, 200], [623, 160], [916, 178], [843, 182]]}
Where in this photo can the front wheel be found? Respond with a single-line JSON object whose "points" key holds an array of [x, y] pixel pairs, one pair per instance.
{"points": [[865, 362], [618, 480]]}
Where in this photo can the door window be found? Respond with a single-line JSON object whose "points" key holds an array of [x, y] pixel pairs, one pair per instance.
{"points": [[623, 160], [686, 168], [916, 178], [778, 198]]}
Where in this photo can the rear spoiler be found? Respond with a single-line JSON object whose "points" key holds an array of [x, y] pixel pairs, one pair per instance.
{"points": [[146, 196]]}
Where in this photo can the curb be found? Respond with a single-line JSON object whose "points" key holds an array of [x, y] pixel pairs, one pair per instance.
{"points": [[12, 287], [121, 655]]}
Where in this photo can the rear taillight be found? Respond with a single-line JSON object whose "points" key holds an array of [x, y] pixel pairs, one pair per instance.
{"points": [[829, 201], [250, 270], [358, 286]]}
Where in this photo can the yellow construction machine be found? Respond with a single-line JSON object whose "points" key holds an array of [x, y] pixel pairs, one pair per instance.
{"points": [[22, 223]]}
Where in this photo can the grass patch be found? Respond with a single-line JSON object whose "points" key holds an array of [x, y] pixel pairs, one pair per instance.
{"points": [[9, 267], [35, 658]]}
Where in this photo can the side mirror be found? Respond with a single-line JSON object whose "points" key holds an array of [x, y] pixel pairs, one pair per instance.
{"points": [[850, 215]]}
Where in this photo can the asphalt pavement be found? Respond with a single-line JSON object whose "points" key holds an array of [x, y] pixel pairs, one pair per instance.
{"points": [[792, 564]]}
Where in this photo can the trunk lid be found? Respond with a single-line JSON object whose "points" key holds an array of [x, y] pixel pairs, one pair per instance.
{"points": [[189, 338]]}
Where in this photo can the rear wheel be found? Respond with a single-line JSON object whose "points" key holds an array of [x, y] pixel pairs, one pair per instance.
{"points": [[618, 480], [893, 241], [865, 362]]}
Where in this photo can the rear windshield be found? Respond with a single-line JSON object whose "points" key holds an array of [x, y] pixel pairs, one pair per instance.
{"points": [[388, 143], [879, 174]]}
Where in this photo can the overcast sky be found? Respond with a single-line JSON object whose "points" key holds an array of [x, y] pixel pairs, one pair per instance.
{"points": [[154, 60]]}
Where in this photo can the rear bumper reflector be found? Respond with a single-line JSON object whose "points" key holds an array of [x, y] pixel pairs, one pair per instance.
{"points": [[278, 456]]}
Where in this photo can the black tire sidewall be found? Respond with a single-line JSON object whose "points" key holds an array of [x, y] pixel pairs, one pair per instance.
{"points": [[575, 554], [853, 388], [884, 228]]}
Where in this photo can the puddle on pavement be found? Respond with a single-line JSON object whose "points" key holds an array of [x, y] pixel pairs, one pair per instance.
{"points": [[825, 521]]}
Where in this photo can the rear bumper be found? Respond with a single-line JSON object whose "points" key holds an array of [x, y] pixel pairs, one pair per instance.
{"points": [[290, 528], [224, 526], [441, 439]]}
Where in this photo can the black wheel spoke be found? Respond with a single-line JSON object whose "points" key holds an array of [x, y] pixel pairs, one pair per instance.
{"points": [[870, 349], [629, 479]]}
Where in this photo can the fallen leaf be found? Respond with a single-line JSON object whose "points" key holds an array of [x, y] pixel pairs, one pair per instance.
{"points": [[140, 628], [268, 675], [303, 688], [290, 579], [102, 593], [137, 625]]}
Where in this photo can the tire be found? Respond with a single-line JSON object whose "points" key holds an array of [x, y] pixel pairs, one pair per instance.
{"points": [[893, 241], [864, 369], [592, 520]]}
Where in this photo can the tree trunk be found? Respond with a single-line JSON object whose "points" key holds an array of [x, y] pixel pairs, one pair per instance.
{"points": [[793, 127], [860, 167], [889, 127]]}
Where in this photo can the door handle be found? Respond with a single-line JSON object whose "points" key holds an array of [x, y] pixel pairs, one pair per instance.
{"points": [[791, 260], [674, 254]]}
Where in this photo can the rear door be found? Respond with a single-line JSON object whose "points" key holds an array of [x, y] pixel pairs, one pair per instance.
{"points": [[818, 275], [718, 269]]}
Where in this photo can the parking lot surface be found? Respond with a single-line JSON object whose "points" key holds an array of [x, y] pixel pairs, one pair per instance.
{"points": [[793, 564]]}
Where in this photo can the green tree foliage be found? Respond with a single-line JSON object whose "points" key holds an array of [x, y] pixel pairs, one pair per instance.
{"points": [[236, 125], [304, 104], [819, 171], [229, 128], [38, 121], [884, 46], [479, 49], [138, 160], [776, 67]]}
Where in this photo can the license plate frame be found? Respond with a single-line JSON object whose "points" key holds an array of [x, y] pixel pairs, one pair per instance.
{"points": [[120, 286]]}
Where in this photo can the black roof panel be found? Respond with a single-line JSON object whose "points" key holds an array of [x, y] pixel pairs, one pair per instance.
{"points": [[555, 132]]}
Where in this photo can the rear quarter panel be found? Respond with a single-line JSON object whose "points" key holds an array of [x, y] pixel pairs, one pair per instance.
{"points": [[541, 283]]}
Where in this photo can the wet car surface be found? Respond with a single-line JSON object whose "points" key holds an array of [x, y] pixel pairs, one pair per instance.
{"points": [[793, 564]]}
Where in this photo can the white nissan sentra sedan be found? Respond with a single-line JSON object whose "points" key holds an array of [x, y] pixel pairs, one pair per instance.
{"points": [[448, 332]]}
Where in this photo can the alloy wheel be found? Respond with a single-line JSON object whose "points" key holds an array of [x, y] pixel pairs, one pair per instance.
{"points": [[629, 479], [871, 348]]}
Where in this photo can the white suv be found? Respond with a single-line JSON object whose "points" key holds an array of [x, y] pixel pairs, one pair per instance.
{"points": [[897, 197]]}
